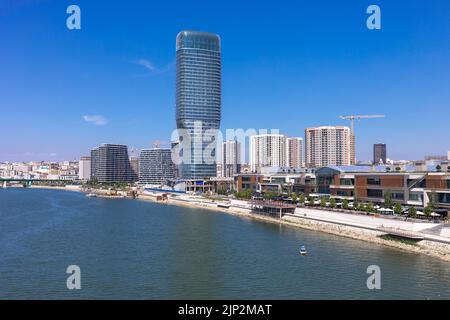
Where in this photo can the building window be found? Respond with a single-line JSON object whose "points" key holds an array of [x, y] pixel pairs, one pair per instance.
{"points": [[373, 181], [374, 193], [398, 196], [416, 197], [443, 198], [346, 182]]}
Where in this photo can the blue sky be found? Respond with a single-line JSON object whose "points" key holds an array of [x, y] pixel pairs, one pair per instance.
{"points": [[286, 65]]}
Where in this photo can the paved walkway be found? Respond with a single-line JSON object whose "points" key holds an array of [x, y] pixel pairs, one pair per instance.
{"points": [[368, 222]]}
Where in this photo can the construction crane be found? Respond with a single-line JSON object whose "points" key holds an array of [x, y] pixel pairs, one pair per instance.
{"points": [[352, 132]]}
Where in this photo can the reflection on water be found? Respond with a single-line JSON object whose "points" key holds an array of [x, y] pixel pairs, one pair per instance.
{"points": [[134, 249]]}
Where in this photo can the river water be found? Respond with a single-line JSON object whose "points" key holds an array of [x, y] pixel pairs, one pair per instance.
{"points": [[132, 249]]}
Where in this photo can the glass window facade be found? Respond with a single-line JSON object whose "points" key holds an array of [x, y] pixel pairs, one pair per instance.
{"points": [[156, 166], [198, 101]]}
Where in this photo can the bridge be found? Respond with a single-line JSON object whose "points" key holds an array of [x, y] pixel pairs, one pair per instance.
{"points": [[28, 182]]}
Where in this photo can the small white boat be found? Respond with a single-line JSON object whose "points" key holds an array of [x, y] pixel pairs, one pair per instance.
{"points": [[91, 195], [303, 251]]}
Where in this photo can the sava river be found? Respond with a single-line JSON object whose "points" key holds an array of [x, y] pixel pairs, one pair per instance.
{"points": [[132, 249]]}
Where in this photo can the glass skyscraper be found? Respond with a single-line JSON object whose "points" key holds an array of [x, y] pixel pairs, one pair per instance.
{"points": [[198, 102]]}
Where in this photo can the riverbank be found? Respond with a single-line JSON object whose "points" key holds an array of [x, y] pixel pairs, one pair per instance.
{"points": [[431, 248]]}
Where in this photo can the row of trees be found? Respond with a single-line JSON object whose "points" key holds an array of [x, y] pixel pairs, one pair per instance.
{"points": [[363, 207]]}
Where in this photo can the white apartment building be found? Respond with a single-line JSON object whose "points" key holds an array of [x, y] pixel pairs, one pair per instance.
{"points": [[294, 152], [327, 146], [231, 158], [84, 168], [267, 150]]}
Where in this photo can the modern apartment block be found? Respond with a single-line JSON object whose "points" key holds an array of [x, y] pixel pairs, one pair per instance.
{"points": [[327, 146], [231, 158], [84, 168], [412, 185], [267, 150], [294, 152], [379, 153], [156, 166], [110, 163], [198, 101]]}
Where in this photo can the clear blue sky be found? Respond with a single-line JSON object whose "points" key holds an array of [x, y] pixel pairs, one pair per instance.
{"points": [[286, 65]]}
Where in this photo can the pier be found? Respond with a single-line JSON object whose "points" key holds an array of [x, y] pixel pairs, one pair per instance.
{"points": [[402, 233], [272, 208]]}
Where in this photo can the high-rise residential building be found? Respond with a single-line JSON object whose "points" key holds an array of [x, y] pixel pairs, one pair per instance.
{"points": [[156, 166], [134, 161], [110, 163], [267, 150], [327, 146], [84, 168], [294, 152], [379, 153], [448, 155], [198, 102], [231, 158]]}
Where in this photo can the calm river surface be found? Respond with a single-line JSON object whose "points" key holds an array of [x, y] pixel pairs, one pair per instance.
{"points": [[131, 249]]}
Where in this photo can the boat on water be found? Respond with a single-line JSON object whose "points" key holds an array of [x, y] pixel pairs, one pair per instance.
{"points": [[91, 195], [302, 250]]}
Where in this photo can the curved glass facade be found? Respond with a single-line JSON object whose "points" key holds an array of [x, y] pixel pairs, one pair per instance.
{"points": [[198, 102]]}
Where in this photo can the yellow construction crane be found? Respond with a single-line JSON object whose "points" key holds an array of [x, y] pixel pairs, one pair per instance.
{"points": [[352, 132]]}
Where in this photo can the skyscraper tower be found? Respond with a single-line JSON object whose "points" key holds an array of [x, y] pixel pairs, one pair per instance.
{"points": [[198, 102]]}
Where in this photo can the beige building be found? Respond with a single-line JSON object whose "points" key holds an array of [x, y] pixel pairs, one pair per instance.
{"points": [[294, 152], [84, 168], [327, 146]]}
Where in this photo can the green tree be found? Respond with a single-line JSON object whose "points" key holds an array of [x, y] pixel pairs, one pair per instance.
{"points": [[398, 208], [301, 198], [398, 169], [310, 200], [270, 195], [294, 197], [369, 207], [433, 200], [361, 207], [332, 203], [428, 210], [345, 204], [388, 198], [412, 212], [323, 202], [438, 168]]}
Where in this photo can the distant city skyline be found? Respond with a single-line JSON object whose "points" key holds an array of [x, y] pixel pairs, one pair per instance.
{"points": [[289, 65]]}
